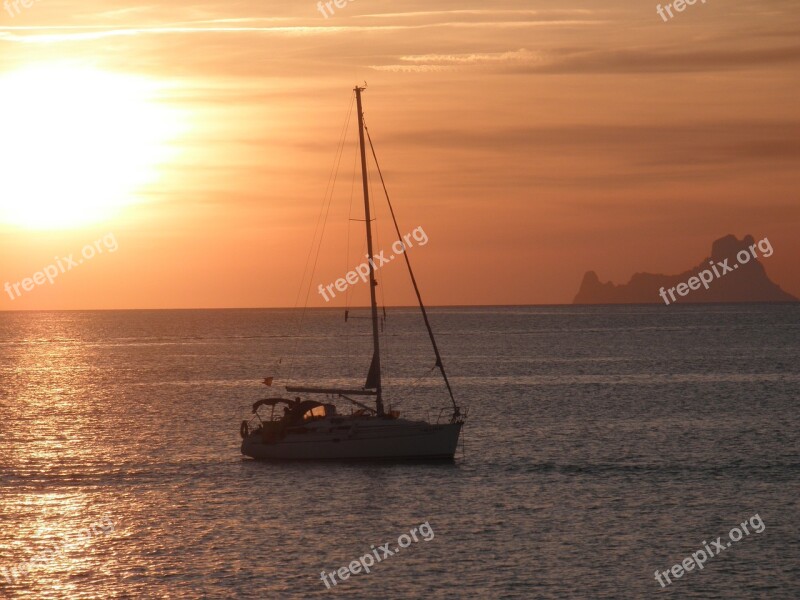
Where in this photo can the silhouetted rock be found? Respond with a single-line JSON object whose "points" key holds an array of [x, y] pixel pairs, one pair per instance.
{"points": [[746, 281]]}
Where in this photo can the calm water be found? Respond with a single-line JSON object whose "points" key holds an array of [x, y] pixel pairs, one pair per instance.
{"points": [[603, 444]]}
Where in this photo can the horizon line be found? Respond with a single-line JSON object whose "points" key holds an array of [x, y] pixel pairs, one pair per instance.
{"points": [[332, 308]]}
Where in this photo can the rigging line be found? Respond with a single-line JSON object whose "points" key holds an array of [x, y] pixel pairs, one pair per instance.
{"points": [[382, 290], [439, 362], [347, 346], [324, 199], [377, 237], [322, 206], [415, 382], [386, 351], [325, 222], [383, 287], [329, 189], [349, 218]]}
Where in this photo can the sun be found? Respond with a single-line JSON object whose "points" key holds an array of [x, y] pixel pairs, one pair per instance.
{"points": [[78, 143]]}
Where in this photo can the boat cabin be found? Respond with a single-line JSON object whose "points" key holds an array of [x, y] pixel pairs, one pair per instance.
{"points": [[295, 411]]}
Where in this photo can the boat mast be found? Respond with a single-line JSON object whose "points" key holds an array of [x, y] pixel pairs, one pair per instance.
{"points": [[375, 368]]}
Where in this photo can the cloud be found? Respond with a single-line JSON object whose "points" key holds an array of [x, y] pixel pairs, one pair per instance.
{"points": [[722, 142], [450, 62], [649, 60]]}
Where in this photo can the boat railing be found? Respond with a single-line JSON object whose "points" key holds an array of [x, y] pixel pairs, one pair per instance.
{"points": [[268, 417], [449, 416]]}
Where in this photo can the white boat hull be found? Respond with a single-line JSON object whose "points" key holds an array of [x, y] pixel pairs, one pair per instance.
{"points": [[367, 438]]}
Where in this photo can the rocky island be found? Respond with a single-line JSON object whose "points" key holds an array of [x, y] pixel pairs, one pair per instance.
{"points": [[732, 273]]}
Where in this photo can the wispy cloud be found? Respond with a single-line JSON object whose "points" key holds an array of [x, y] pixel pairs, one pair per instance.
{"points": [[650, 60], [449, 62]]}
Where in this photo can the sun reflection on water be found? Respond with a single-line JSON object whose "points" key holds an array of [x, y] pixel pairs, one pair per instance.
{"points": [[56, 528]]}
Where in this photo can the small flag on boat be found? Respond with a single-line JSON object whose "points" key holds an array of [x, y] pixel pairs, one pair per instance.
{"points": [[268, 380]]}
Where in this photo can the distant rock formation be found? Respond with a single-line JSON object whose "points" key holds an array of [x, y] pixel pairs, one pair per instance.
{"points": [[742, 282]]}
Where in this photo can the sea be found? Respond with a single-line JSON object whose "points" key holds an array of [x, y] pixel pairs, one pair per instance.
{"points": [[604, 447]]}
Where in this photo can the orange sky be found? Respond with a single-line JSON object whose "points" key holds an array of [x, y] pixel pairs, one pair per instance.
{"points": [[531, 140]]}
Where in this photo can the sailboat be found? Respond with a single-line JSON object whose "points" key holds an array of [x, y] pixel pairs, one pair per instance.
{"points": [[308, 429]]}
